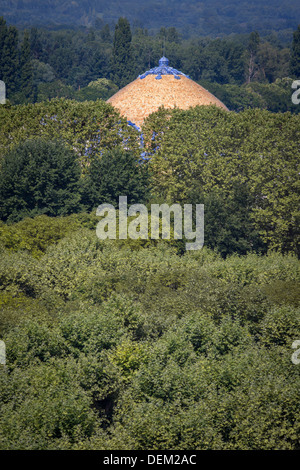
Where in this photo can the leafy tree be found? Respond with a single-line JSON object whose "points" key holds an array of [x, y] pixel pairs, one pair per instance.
{"points": [[85, 127], [168, 34], [9, 57], [228, 225], [122, 62], [273, 62], [105, 33], [295, 57], [78, 56], [26, 88], [251, 58], [100, 88], [212, 154], [53, 89], [38, 177], [35, 43], [115, 173], [42, 73], [275, 97], [3, 32], [111, 348], [36, 234]]}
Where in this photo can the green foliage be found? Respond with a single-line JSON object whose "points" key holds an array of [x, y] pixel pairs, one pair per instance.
{"points": [[206, 153], [35, 235], [228, 227], [295, 56], [15, 64], [138, 344], [27, 88], [274, 97], [281, 325], [63, 62], [9, 57], [115, 173], [54, 89], [48, 88], [42, 73], [53, 414], [215, 19], [102, 88], [85, 127], [122, 60], [38, 177], [110, 347], [251, 69]]}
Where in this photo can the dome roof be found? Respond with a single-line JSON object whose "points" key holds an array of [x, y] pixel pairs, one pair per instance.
{"points": [[160, 86]]}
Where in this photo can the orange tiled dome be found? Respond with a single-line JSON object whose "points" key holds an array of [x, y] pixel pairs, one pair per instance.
{"points": [[160, 86]]}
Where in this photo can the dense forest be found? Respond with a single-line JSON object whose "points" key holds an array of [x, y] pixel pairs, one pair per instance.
{"points": [[140, 344], [192, 17], [243, 71]]}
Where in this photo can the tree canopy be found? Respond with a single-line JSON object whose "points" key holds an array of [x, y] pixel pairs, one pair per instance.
{"points": [[137, 344], [116, 173], [38, 177], [249, 69], [113, 348], [206, 150]]}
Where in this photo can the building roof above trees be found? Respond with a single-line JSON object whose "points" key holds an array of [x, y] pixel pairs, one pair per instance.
{"points": [[161, 86]]}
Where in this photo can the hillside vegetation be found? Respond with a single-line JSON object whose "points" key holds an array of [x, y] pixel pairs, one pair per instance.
{"points": [[191, 17], [127, 347], [140, 344]]}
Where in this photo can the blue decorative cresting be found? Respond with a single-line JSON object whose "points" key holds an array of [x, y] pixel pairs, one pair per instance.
{"points": [[130, 123], [163, 69]]}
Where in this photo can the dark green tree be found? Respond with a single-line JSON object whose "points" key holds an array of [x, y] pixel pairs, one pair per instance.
{"points": [[3, 33], [105, 33], [122, 60], [38, 177], [251, 56], [9, 57], [228, 225], [27, 88], [116, 173], [35, 43], [295, 57]]}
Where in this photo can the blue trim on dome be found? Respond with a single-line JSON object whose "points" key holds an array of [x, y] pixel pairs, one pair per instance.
{"points": [[163, 69], [132, 124]]}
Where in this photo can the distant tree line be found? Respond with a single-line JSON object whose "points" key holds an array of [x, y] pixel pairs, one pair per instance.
{"points": [[218, 18], [93, 62]]}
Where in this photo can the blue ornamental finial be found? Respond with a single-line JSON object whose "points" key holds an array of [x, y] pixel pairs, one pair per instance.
{"points": [[163, 69], [163, 62]]}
